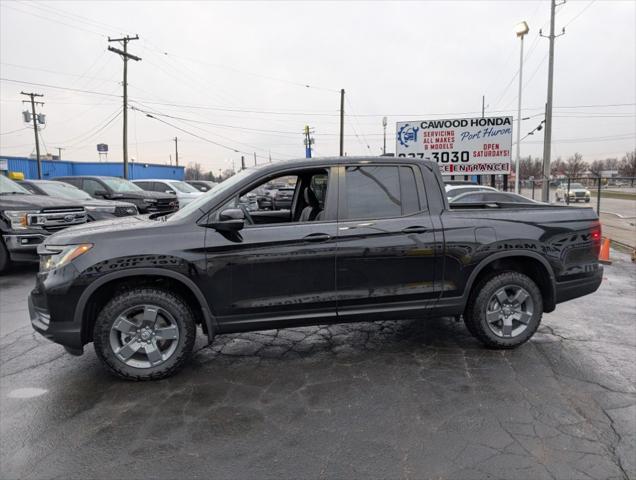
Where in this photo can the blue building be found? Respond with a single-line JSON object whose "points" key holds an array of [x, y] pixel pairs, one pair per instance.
{"points": [[59, 168]]}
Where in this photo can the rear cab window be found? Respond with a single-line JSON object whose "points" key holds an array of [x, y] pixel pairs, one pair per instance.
{"points": [[379, 191]]}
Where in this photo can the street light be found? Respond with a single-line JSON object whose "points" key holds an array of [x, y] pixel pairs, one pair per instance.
{"points": [[521, 30]]}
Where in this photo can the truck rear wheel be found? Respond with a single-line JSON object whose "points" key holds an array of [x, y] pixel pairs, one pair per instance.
{"points": [[504, 310], [145, 334]]}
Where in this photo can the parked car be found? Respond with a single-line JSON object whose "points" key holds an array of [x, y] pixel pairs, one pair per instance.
{"points": [[185, 193], [385, 244], [459, 182], [282, 198], [453, 190], [202, 185], [264, 198], [576, 193], [490, 197], [95, 209], [115, 188], [27, 219]]}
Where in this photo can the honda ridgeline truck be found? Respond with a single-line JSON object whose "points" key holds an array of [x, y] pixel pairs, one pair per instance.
{"points": [[364, 239]]}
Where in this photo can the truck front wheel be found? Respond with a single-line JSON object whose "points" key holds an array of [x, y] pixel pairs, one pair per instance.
{"points": [[504, 310], [145, 334]]}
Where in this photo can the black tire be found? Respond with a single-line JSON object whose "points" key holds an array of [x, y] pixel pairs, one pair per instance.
{"points": [[475, 315], [170, 302], [5, 260]]}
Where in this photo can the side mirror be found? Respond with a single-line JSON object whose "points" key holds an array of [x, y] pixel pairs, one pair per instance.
{"points": [[230, 220], [100, 193], [171, 191]]}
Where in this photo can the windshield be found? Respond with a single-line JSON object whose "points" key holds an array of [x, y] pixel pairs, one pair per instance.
{"points": [[576, 185], [59, 189], [183, 187], [209, 195], [120, 185], [8, 186]]}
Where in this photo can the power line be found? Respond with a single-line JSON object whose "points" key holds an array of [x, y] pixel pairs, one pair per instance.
{"points": [[4, 5], [227, 147], [580, 13], [14, 131], [26, 67], [77, 90]]}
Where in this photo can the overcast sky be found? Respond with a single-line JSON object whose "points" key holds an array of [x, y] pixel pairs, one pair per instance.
{"points": [[251, 75]]}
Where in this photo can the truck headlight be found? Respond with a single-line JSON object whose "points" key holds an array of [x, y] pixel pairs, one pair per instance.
{"points": [[150, 200], [56, 256], [101, 208], [19, 219]]}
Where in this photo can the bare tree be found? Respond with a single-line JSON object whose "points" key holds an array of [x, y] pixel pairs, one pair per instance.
{"points": [[193, 171], [627, 167], [575, 165], [611, 164], [557, 167], [597, 167]]}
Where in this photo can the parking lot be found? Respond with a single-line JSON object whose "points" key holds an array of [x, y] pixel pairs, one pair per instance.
{"points": [[370, 400]]}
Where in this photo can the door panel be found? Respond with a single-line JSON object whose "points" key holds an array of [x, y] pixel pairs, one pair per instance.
{"points": [[385, 266], [276, 274], [386, 261], [272, 271]]}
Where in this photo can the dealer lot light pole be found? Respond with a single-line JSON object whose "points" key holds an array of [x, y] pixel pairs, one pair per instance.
{"points": [[521, 29]]}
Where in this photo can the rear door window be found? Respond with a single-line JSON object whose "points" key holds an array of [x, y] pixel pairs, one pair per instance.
{"points": [[408, 187], [372, 192]]}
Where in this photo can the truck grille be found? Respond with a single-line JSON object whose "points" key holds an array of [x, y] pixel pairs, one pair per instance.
{"points": [[164, 205], [54, 219], [125, 211]]}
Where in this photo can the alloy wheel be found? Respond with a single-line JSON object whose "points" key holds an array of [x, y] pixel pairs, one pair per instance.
{"points": [[144, 336], [509, 311]]}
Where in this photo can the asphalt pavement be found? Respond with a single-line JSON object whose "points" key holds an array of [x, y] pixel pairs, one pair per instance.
{"points": [[411, 399]]}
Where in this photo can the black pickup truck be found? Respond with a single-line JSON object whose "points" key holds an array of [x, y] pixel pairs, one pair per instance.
{"points": [[27, 219], [365, 239]]}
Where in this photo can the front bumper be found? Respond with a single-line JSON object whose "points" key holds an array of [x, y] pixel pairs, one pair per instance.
{"points": [[23, 246], [68, 334], [568, 290]]}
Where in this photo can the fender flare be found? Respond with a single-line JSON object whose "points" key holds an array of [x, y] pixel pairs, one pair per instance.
{"points": [[210, 321], [510, 254]]}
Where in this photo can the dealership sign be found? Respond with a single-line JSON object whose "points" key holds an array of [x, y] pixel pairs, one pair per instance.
{"points": [[460, 146]]}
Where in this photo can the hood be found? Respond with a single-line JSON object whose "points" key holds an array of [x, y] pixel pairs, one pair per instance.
{"points": [[141, 195], [33, 202], [102, 230], [96, 202]]}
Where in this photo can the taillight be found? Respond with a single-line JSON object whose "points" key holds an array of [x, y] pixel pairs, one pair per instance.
{"points": [[596, 239]]}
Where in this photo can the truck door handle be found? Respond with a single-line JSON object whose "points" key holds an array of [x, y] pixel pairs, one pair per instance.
{"points": [[415, 229], [317, 237]]}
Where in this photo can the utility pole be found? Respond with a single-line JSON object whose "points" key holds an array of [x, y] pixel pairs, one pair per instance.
{"points": [[59, 152], [308, 141], [342, 93], [125, 57], [384, 123], [176, 151], [522, 31], [242, 162], [35, 128], [483, 106], [255, 159], [547, 139]]}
